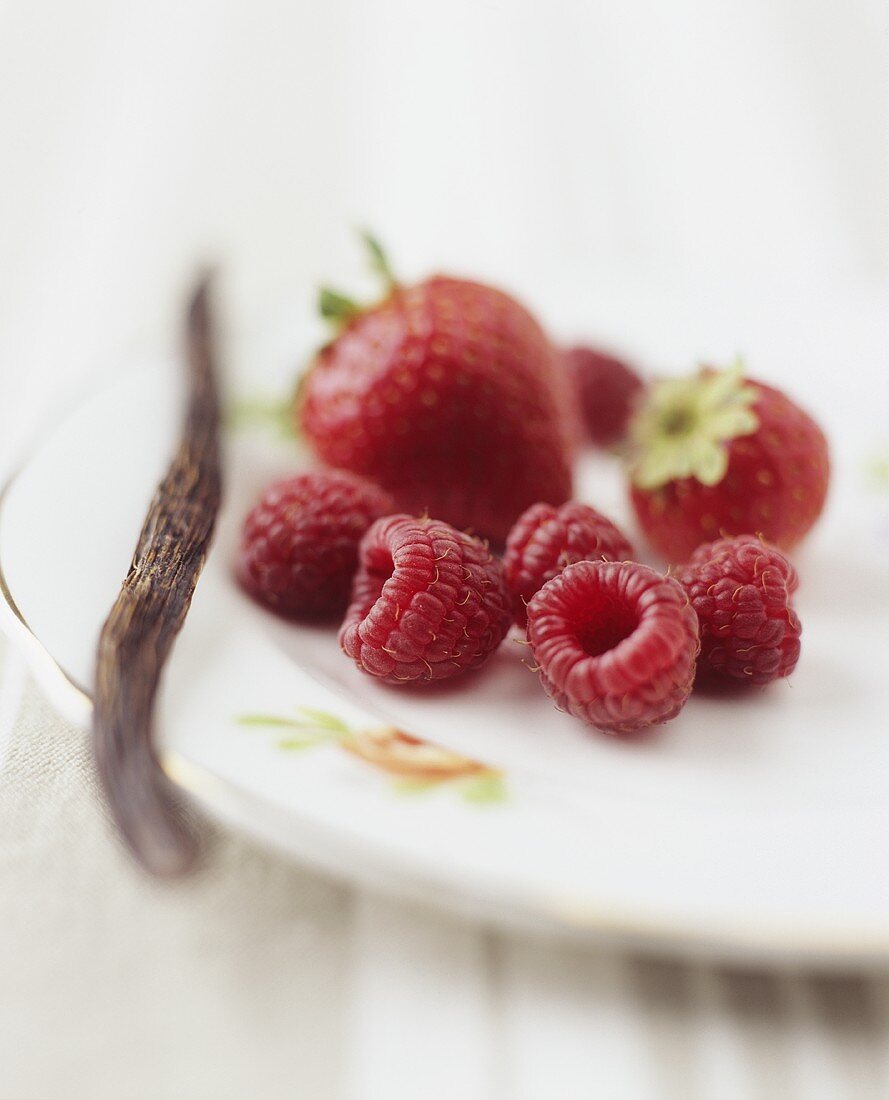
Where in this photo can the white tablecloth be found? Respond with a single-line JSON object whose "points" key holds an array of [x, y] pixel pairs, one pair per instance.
{"points": [[261, 979]]}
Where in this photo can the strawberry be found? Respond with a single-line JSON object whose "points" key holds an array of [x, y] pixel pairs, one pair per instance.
{"points": [[718, 454], [449, 395]]}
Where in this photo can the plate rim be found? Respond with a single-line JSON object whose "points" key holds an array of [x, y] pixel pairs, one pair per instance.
{"points": [[577, 918]]}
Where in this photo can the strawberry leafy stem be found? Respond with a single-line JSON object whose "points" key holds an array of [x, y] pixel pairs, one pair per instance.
{"points": [[379, 261], [684, 426], [338, 308], [261, 412]]}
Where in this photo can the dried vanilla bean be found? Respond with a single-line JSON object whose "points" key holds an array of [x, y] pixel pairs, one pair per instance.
{"points": [[147, 616]]}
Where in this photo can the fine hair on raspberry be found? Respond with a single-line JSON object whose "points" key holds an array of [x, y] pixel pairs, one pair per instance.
{"points": [[615, 644], [429, 602], [299, 546], [741, 590], [546, 539]]}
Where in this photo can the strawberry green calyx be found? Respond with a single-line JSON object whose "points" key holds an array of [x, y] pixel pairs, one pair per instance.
{"points": [[336, 307], [685, 425], [379, 261]]}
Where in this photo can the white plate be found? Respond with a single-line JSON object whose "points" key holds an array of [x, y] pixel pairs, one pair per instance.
{"points": [[754, 827]]}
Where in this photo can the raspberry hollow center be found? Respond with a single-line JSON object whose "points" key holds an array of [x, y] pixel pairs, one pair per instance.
{"points": [[615, 644], [605, 626]]}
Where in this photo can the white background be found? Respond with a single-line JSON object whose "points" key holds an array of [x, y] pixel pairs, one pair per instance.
{"points": [[721, 166], [721, 152]]}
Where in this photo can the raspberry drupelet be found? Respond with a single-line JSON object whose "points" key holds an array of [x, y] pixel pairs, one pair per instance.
{"points": [[615, 644], [546, 539], [740, 589], [299, 548], [428, 602]]}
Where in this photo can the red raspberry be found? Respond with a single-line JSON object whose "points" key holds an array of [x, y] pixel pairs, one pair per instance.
{"points": [[615, 644], [428, 602], [546, 539], [299, 549], [740, 589], [607, 389]]}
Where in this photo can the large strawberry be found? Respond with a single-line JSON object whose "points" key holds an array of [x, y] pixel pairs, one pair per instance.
{"points": [[717, 454], [448, 394]]}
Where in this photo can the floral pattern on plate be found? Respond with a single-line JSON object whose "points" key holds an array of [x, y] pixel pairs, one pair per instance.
{"points": [[415, 765]]}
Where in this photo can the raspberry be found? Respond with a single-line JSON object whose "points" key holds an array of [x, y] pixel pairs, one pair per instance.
{"points": [[428, 602], [299, 549], [546, 539], [607, 389], [741, 589], [615, 644]]}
